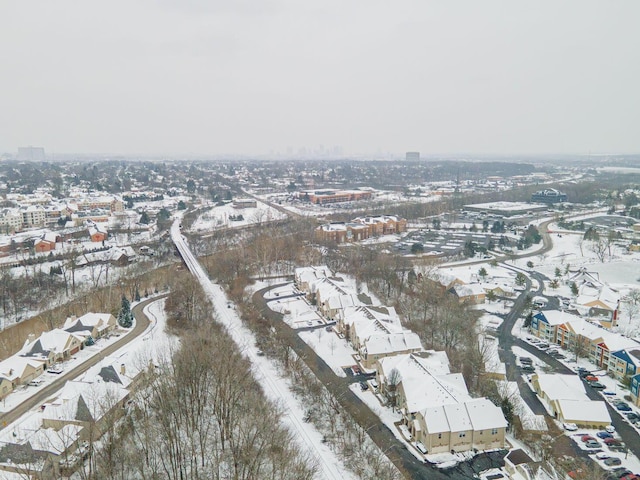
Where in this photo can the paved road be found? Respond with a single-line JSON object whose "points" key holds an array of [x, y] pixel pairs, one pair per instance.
{"points": [[142, 322]]}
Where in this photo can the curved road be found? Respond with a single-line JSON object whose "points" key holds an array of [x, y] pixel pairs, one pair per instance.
{"points": [[142, 322]]}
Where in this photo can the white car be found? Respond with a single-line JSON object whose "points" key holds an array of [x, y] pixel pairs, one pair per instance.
{"points": [[602, 456], [610, 429], [570, 427]]}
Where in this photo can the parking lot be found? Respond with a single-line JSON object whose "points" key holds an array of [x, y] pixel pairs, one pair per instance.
{"points": [[445, 243]]}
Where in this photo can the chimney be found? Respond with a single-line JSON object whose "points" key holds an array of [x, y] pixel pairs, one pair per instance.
{"points": [[123, 369], [31, 338]]}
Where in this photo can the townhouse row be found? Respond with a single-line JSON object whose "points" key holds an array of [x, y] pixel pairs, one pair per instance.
{"points": [[615, 353], [437, 409], [57, 345]]}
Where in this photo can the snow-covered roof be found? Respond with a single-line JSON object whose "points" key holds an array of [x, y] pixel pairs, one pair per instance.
{"points": [[381, 344], [56, 340], [88, 321], [556, 317], [421, 387], [469, 290], [457, 417], [484, 415], [84, 402], [584, 411], [12, 368], [565, 387]]}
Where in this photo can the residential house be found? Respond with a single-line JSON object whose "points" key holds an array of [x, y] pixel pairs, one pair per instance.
{"points": [[304, 276], [47, 242], [472, 293], [6, 387], [600, 302], [20, 370], [97, 233], [94, 325], [381, 345], [88, 405], [436, 405], [52, 346]]}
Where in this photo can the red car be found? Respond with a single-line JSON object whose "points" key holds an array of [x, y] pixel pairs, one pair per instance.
{"points": [[591, 378], [612, 441], [586, 438]]}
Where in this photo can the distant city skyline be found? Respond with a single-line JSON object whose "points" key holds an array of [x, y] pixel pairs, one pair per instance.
{"points": [[200, 78]]}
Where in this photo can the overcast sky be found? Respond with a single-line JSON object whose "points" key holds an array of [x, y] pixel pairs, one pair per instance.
{"points": [[254, 76]]}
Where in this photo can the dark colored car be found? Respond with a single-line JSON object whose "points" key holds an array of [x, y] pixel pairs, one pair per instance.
{"points": [[623, 407], [596, 385], [621, 472], [528, 368], [604, 435], [612, 461], [526, 360], [364, 386], [632, 416]]}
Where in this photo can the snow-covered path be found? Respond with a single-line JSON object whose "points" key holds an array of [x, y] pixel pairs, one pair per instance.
{"points": [[330, 467]]}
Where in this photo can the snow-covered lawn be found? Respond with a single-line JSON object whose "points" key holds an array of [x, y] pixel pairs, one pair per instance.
{"points": [[335, 351]]}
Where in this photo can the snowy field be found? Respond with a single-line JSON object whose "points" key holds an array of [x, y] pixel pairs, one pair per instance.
{"points": [[220, 217]]}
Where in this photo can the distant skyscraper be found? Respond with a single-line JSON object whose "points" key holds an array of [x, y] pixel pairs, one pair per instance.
{"points": [[31, 153], [413, 156]]}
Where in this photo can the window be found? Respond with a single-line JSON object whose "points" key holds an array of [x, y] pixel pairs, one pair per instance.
{"points": [[494, 431], [439, 435], [462, 435]]}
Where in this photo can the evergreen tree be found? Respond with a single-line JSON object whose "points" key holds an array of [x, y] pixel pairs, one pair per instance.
{"points": [[125, 318]]}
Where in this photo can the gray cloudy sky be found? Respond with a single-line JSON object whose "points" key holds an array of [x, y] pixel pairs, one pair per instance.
{"points": [[254, 76]]}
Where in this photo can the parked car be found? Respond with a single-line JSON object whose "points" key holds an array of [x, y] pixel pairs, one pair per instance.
{"points": [[610, 442], [621, 472], [602, 456], [364, 386], [356, 370], [610, 429], [623, 407], [632, 416], [526, 360], [604, 435], [35, 382], [609, 393], [571, 427], [528, 368], [421, 448], [586, 438], [592, 444], [591, 378], [57, 369], [612, 462], [596, 385]]}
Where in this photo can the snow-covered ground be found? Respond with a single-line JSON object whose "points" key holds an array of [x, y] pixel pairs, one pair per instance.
{"points": [[220, 217], [335, 351]]}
